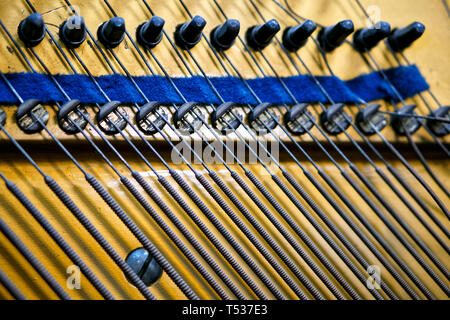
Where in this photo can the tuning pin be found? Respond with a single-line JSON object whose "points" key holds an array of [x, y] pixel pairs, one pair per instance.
{"points": [[259, 37], [402, 38], [295, 37], [32, 30], [402, 123], [223, 36], [188, 34], [149, 34], [367, 38], [332, 37], [73, 31], [111, 32]]}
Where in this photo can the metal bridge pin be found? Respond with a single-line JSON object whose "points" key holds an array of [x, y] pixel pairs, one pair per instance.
{"points": [[32, 30], [71, 113], [259, 37], [188, 118], [111, 32], [110, 118], [144, 265], [73, 31], [367, 38], [332, 37], [439, 128], [149, 34], [298, 120], [402, 38], [223, 36], [148, 121], [295, 37], [188, 34], [223, 120]]}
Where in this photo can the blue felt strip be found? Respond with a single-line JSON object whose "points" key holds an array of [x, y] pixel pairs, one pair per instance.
{"points": [[370, 87]]}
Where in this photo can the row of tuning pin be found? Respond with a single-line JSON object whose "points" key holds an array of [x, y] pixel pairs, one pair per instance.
{"points": [[111, 33]]}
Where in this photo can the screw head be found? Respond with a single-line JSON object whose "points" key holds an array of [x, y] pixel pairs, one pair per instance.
{"points": [[145, 266]]}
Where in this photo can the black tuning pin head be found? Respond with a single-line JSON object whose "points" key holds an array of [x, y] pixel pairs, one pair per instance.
{"points": [[402, 38], [111, 32], [73, 31], [188, 34], [223, 36], [32, 30], [332, 37], [259, 37], [149, 34], [367, 38], [144, 265], [295, 37], [298, 120]]}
